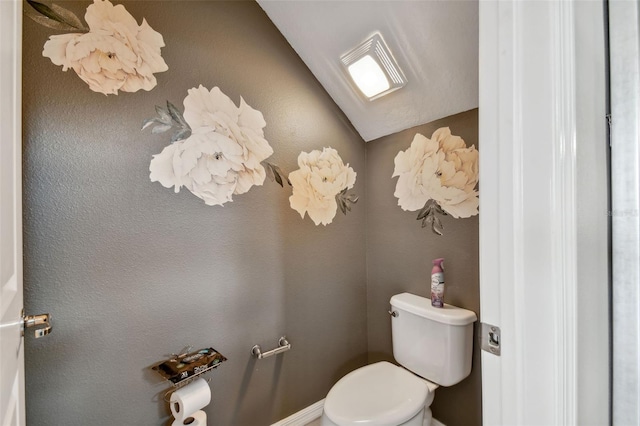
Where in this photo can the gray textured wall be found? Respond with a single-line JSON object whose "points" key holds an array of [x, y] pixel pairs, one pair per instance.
{"points": [[132, 272], [399, 255]]}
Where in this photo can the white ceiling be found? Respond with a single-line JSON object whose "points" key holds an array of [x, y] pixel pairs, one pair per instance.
{"points": [[434, 42]]}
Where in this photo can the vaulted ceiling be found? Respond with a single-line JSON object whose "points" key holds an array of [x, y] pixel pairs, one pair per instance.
{"points": [[434, 42]]}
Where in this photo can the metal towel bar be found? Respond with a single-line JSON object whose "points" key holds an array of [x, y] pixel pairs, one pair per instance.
{"points": [[283, 346]]}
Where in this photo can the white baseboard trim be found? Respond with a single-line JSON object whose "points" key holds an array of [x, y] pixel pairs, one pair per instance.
{"points": [[304, 416], [314, 411]]}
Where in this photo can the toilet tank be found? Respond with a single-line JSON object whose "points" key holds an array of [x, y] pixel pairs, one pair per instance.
{"points": [[435, 343]]}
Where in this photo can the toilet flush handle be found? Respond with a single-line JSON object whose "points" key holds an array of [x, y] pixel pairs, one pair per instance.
{"points": [[394, 313]]}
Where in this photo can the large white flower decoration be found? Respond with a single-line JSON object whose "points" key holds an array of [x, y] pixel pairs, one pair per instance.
{"points": [[243, 125], [441, 169], [321, 177], [116, 53], [222, 155]]}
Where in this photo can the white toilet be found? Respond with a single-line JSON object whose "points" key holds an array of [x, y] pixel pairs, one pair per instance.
{"points": [[434, 345]]}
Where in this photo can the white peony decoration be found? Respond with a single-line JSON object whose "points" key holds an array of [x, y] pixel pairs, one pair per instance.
{"points": [[115, 54], [440, 171], [217, 152], [320, 185]]}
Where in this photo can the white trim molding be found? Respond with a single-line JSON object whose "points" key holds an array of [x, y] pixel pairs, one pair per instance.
{"points": [[314, 412], [529, 210], [304, 416]]}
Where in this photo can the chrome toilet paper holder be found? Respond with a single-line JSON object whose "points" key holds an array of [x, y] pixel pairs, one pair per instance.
{"points": [[283, 346], [183, 368]]}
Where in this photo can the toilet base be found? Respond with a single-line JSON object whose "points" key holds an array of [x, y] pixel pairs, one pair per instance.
{"points": [[426, 420], [422, 418]]}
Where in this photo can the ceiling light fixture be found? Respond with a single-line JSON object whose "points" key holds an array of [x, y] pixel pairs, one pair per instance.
{"points": [[373, 68]]}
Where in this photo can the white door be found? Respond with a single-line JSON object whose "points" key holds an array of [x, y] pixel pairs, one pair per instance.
{"points": [[12, 410], [543, 219]]}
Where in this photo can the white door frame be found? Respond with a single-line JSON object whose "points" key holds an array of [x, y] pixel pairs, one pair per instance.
{"points": [[625, 169], [532, 124], [12, 406]]}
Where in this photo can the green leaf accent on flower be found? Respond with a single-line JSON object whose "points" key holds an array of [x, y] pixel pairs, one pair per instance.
{"points": [[436, 224], [161, 128], [50, 23], [58, 14], [275, 173], [177, 115], [428, 216], [278, 178], [163, 115], [166, 120], [149, 121], [345, 200], [181, 135], [278, 171]]}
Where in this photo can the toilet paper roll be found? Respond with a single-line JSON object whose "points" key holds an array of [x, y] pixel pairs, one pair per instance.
{"points": [[199, 418], [187, 400]]}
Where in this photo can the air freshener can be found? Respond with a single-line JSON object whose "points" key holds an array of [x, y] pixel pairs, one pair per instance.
{"points": [[437, 283]]}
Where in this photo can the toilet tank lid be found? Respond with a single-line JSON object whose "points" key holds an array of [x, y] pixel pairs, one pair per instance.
{"points": [[421, 306]]}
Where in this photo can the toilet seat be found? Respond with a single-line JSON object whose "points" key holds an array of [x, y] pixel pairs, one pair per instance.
{"points": [[379, 394]]}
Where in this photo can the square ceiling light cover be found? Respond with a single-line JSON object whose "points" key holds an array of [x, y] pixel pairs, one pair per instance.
{"points": [[373, 68]]}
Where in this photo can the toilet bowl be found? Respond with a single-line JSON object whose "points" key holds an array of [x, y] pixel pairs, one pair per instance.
{"points": [[379, 394], [434, 348]]}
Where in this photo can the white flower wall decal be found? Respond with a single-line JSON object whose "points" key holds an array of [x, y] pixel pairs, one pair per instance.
{"points": [[320, 185], [217, 150], [116, 54], [437, 175]]}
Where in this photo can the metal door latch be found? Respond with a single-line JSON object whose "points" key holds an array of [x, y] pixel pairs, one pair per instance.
{"points": [[491, 339], [38, 320]]}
